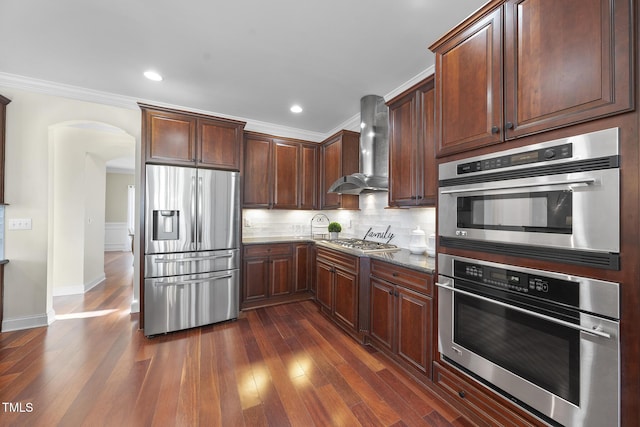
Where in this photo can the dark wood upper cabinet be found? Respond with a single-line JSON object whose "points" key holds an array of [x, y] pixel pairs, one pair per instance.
{"points": [[526, 67], [257, 172], [279, 173], [412, 166], [309, 165], [286, 174], [340, 156], [189, 139], [220, 143]]}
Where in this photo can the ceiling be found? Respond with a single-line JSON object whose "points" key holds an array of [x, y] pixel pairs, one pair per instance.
{"points": [[248, 59]]}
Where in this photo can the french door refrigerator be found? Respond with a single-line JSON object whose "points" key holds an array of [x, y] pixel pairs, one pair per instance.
{"points": [[192, 229]]}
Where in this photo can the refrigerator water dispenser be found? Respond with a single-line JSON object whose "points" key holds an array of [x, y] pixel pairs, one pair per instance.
{"points": [[165, 225]]}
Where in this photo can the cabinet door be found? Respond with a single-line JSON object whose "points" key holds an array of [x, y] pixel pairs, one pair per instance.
{"points": [[257, 173], [566, 61], [280, 276], [346, 297], [382, 312], [324, 284], [170, 137], [403, 161], [331, 171], [302, 263], [255, 278], [308, 177], [428, 187], [414, 329], [219, 144], [469, 87], [286, 160]]}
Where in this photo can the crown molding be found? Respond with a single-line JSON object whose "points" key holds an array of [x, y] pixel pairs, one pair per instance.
{"points": [[411, 82], [130, 103]]}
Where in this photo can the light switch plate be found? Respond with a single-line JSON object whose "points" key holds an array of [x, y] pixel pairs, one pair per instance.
{"points": [[20, 224]]}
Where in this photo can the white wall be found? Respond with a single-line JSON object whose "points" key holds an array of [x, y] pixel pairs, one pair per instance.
{"points": [[116, 231], [116, 197], [94, 201], [372, 214], [27, 299]]}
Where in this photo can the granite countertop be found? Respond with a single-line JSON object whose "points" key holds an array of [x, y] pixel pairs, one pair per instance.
{"points": [[276, 239], [402, 257]]}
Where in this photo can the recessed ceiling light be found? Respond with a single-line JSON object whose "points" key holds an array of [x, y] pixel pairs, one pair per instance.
{"points": [[296, 109], [152, 75]]}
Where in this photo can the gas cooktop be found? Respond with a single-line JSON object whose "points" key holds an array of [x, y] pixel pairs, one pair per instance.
{"points": [[364, 246]]}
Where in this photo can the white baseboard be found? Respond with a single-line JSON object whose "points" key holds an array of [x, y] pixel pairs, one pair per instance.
{"points": [[28, 322], [59, 291], [116, 237], [135, 306]]}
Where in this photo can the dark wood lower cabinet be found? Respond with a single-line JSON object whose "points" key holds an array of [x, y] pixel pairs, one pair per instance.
{"points": [[401, 318], [337, 288], [480, 403], [274, 273]]}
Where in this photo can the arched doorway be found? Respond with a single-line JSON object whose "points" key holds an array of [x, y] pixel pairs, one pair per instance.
{"points": [[79, 154]]}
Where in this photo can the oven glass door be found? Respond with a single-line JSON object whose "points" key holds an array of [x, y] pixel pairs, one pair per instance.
{"points": [[533, 212], [543, 353]]}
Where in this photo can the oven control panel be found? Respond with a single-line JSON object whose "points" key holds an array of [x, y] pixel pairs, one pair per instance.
{"points": [[547, 288], [563, 151]]}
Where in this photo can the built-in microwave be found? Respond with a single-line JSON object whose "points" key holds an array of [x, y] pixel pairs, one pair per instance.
{"points": [[558, 201]]}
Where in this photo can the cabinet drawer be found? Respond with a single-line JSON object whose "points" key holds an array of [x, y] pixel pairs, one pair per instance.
{"points": [[349, 262], [263, 250], [481, 404], [407, 277]]}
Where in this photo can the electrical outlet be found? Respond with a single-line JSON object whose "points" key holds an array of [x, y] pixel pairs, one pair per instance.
{"points": [[20, 224]]}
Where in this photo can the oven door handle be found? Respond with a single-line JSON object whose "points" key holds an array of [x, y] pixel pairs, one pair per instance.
{"points": [[525, 311], [570, 182]]}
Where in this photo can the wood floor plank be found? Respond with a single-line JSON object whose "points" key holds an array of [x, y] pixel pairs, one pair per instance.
{"points": [[266, 335], [366, 416], [341, 414], [385, 413]]}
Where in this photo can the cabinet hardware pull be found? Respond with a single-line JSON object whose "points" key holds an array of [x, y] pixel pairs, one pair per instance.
{"points": [[568, 182], [561, 322], [495, 129], [462, 393], [395, 274], [390, 291], [509, 125]]}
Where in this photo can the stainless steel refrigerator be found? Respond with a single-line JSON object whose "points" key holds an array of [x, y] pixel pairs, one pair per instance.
{"points": [[192, 229]]}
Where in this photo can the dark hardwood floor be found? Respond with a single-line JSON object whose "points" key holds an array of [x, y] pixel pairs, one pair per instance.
{"points": [[277, 366]]}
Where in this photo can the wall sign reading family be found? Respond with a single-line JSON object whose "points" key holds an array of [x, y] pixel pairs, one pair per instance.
{"points": [[384, 235]]}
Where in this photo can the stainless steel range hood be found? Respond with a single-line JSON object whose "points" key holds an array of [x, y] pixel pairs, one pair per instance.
{"points": [[374, 150]]}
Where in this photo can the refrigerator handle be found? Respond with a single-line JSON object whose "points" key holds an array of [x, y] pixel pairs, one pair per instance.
{"points": [[193, 212], [200, 196]]}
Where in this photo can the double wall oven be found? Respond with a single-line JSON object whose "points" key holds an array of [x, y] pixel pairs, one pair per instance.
{"points": [[547, 340]]}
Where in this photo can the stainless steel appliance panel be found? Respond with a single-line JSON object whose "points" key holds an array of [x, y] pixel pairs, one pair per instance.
{"points": [[170, 189], [218, 209], [590, 344], [562, 194], [181, 302], [594, 198], [176, 264]]}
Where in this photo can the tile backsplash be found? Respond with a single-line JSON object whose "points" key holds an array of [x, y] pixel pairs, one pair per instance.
{"points": [[373, 216]]}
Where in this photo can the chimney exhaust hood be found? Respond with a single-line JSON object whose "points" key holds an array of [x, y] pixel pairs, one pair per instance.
{"points": [[374, 151]]}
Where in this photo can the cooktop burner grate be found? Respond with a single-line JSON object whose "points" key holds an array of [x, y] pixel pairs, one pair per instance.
{"points": [[365, 245]]}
